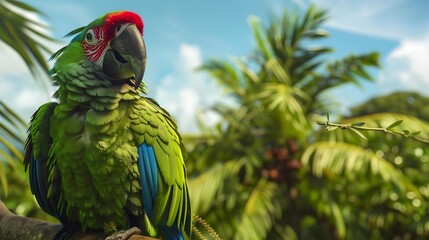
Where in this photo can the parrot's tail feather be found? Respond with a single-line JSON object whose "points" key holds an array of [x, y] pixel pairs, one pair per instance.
{"points": [[171, 233]]}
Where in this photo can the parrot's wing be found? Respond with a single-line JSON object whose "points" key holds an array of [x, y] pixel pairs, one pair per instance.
{"points": [[162, 169], [36, 162]]}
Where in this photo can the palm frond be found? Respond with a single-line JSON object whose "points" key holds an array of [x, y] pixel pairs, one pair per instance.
{"points": [[20, 29], [343, 158], [260, 212], [226, 74], [281, 96], [3, 181], [338, 219], [12, 135], [274, 68], [307, 26], [333, 211], [285, 232], [260, 37], [11, 124], [203, 188], [285, 102], [26, 36]]}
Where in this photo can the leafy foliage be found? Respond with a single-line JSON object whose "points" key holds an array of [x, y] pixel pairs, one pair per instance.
{"points": [[28, 38], [265, 173], [21, 33], [404, 102], [12, 135]]}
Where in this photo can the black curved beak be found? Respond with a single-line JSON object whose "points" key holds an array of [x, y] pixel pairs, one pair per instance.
{"points": [[126, 60]]}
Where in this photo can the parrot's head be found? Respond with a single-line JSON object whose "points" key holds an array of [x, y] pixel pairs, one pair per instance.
{"points": [[114, 43]]}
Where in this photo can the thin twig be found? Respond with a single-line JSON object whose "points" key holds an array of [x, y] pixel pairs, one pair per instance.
{"points": [[357, 127]]}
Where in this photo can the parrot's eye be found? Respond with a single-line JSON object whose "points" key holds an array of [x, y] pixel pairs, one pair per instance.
{"points": [[90, 38], [118, 28]]}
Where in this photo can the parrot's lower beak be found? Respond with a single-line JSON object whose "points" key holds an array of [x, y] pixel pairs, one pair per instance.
{"points": [[126, 60]]}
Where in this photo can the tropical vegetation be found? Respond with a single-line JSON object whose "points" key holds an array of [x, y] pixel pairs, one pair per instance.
{"points": [[21, 31], [266, 170]]}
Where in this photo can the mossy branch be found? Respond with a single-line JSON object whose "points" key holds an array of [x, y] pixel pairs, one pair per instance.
{"points": [[13, 227]]}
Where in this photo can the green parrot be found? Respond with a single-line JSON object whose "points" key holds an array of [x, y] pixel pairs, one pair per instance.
{"points": [[103, 156]]}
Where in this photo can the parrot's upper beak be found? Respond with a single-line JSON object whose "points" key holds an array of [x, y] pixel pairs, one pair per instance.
{"points": [[126, 60]]}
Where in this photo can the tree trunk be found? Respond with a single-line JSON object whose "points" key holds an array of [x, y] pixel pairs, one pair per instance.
{"points": [[13, 227]]}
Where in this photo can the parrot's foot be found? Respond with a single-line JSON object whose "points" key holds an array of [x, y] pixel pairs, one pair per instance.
{"points": [[124, 234], [67, 231]]}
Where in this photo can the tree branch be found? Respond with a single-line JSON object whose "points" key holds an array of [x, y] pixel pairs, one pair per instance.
{"points": [[359, 126], [15, 227]]}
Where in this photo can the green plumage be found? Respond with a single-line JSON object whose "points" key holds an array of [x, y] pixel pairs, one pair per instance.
{"points": [[88, 142]]}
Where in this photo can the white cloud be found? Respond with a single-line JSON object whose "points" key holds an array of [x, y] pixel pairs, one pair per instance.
{"points": [[28, 100], [191, 55], [185, 90], [406, 67], [11, 63], [18, 88]]}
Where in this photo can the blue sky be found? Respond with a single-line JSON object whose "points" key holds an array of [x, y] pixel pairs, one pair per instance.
{"points": [[180, 35]]}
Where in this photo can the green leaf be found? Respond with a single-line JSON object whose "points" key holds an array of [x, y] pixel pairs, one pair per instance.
{"points": [[338, 217], [358, 124], [275, 67], [318, 33], [371, 59], [397, 123], [255, 24], [358, 133], [415, 133]]}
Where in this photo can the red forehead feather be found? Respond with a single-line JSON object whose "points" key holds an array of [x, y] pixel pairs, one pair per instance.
{"points": [[116, 18]]}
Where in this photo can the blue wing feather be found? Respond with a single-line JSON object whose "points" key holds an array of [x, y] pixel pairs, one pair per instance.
{"points": [[148, 176], [154, 167], [35, 184], [148, 169], [36, 160], [41, 195]]}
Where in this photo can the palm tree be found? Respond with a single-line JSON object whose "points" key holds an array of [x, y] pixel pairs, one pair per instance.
{"points": [[264, 172], [28, 38]]}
